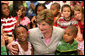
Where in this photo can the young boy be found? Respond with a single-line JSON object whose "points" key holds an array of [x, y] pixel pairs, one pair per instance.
{"points": [[68, 46], [55, 8]]}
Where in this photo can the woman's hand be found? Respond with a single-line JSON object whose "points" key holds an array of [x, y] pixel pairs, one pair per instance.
{"points": [[11, 48]]}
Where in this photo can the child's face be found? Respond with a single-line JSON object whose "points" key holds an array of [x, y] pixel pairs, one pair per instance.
{"points": [[78, 15], [68, 36], [5, 10], [21, 34], [54, 10], [40, 8], [21, 11], [66, 12]]}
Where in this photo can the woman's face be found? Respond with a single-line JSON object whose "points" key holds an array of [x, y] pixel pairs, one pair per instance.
{"points": [[77, 15], [44, 27], [5, 10], [40, 8], [21, 34], [66, 12]]}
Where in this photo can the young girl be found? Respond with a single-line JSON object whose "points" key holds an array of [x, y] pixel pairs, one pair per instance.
{"points": [[21, 18], [38, 8], [55, 8], [79, 16], [7, 21], [68, 45], [67, 18], [24, 47]]}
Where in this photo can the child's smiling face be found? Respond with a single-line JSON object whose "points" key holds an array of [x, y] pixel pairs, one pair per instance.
{"points": [[68, 36], [21, 34], [66, 12], [78, 15]]}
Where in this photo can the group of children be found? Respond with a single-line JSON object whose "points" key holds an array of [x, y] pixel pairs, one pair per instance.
{"points": [[72, 42]]}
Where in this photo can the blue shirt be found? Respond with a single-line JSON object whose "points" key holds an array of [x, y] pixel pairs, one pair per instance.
{"points": [[29, 11]]}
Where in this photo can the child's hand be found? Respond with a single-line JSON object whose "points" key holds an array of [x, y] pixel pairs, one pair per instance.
{"points": [[79, 34], [32, 5]]}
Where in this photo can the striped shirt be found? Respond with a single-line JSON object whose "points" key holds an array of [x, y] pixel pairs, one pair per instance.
{"points": [[8, 24], [64, 24]]}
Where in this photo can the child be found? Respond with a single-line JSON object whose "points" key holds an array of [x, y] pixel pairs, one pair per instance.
{"points": [[79, 16], [68, 46], [21, 18], [81, 46], [55, 8], [24, 47], [38, 8], [67, 18], [7, 21]]}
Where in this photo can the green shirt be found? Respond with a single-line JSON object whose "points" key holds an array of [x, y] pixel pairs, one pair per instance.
{"points": [[67, 49], [3, 50]]}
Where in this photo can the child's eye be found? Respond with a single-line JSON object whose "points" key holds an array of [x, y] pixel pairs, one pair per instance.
{"points": [[69, 34]]}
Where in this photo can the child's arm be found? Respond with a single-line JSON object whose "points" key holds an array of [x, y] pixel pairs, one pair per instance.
{"points": [[80, 52], [2, 40], [10, 39], [32, 6]]}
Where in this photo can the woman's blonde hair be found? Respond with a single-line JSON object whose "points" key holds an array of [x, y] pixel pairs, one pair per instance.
{"points": [[47, 16], [81, 9]]}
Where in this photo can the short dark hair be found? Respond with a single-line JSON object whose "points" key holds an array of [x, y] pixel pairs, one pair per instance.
{"points": [[39, 4], [74, 29], [57, 5], [14, 30], [66, 5]]}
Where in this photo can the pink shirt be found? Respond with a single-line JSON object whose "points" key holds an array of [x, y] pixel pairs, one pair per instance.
{"points": [[24, 21], [47, 41], [81, 46]]}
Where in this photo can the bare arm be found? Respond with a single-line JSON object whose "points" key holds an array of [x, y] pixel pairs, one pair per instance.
{"points": [[80, 52]]}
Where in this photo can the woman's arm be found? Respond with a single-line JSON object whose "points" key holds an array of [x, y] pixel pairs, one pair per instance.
{"points": [[31, 50], [11, 48], [16, 47]]}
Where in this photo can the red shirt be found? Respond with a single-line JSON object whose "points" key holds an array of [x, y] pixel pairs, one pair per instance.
{"points": [[81, 26], [64, 24], [8, 24]]}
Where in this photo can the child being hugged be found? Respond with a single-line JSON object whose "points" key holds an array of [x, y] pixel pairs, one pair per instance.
{"points": [[68, 46], [22, 45], [67, 18]]}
